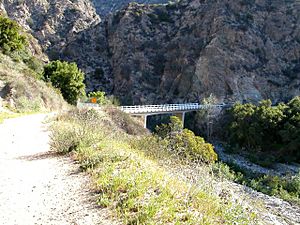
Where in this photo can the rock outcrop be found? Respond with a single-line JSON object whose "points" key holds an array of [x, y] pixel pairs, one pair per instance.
{"points": [[244, 50], [105, 7], [54, 23], [67, 30], [236, 50]]}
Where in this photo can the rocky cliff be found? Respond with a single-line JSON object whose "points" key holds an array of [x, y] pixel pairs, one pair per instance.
{"points": [[104, 7], [54, 23], [237, 50], [243, 50]]}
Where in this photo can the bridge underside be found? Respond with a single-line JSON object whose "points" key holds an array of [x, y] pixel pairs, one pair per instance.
{"points": [[179, 114], [144, 111]]}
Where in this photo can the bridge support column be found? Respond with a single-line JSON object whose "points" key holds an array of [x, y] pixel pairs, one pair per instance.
{"points": [[145, 121], [181, 116]]}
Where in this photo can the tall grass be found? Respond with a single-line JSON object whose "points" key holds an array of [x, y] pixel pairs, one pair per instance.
{"points": [[138, 180]]}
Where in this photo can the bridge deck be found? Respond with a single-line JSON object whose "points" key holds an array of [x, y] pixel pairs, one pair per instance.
{"points": [[156, 109], [167, 108]]}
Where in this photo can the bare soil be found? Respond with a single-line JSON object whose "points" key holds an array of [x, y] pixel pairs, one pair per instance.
{"points": [[36, 185]]}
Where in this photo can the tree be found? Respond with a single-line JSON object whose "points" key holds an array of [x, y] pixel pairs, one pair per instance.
{"points": [[67, 78], [173, 127], [10, 37], [206, 117], [267, 130], [290, 133], [239, 131]]}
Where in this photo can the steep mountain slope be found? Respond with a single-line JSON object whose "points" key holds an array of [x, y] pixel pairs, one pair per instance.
{"points": [[21, 67], [237, 50], [53, 22], [105, 7], [21, 91], [65, 29]]}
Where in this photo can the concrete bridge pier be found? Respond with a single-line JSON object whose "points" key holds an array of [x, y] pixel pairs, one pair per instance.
{"points": [[145, 120]]}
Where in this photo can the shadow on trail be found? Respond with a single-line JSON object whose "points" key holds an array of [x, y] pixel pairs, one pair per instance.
{"points": [[39, 156]]}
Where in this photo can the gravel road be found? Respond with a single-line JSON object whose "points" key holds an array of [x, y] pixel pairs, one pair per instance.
{"points": [[37, 186]]}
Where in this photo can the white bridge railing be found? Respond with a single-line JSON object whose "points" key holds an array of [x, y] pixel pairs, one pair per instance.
{"points": [[144, 109], [156, 109]]}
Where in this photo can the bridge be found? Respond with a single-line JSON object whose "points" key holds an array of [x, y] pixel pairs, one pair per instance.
{"points": [[144, 111], [178, 110]]}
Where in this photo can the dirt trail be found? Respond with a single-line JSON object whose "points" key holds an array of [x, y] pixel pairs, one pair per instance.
{"points": [[38, 187]]}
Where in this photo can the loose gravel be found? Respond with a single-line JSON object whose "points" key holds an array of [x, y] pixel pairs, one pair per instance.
{"points": [[36, 185]]}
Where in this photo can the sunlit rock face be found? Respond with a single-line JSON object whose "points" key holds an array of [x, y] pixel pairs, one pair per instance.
{"points": [[236, 49], [52, 22], [65, 29]]}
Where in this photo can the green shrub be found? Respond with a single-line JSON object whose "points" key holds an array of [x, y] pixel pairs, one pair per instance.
{"points": [[267, 130], [285, 187], [193, 147], [24, 104], [67, 78], [77, 132], [19, 56], [65, 139], [223, 170], [185, 143], [164, 130], [10, 37], [100, 96], [35, 64], [103, 99], [290, 132]]}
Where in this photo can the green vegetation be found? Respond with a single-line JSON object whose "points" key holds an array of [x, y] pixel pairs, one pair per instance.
{"points": [[10, 37], [269, 132], [67, 78], [100, 97], [205, 118], [124, 122], [21, 75], [135, 175], [14, 43], [286, 187], [35, 65], [21, 89], [103, 99], [22, 92], [184, 142]]}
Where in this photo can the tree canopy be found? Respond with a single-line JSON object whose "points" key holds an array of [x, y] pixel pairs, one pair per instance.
{"points": [[267, 128], [11, 38], [67, 78]]}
